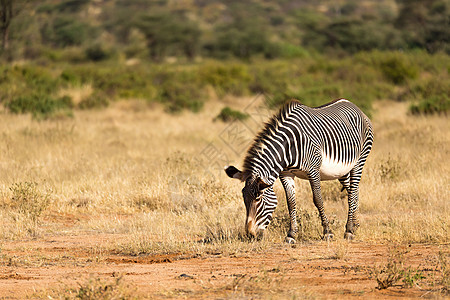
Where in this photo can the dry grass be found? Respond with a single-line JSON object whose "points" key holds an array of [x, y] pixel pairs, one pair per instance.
{"points": [[133, 169], [92, 289]]}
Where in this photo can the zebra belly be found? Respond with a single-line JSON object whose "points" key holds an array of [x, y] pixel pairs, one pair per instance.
{"points": [[331, 169]]}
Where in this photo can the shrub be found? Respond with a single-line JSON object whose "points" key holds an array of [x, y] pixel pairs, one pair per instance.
{"points": [[287, 50], [226, 79], [395, 270], [180, 90], [169, 34], [70, 77], [28, 200], [391, 169], [228, 115], [97, 52], [177, 97], [41, 106], [398, 70], [434, 105], [36, 78], [97, 288], [68, 31], [272, 78], [243, 39]]}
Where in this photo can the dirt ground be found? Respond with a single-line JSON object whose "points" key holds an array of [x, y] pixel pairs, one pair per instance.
{"points": [[58, 264]]}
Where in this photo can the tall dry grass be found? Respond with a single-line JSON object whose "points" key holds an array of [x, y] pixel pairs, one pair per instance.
{"points": [[134, 170]]}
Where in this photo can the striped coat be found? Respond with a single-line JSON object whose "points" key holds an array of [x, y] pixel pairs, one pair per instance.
{"points": [[323, 143]]}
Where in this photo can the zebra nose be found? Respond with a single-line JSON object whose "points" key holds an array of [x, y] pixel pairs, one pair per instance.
{"points": [[253, 231], [251, 227]]}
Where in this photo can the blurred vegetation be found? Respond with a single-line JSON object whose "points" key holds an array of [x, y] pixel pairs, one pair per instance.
{"points": [[228, 114], [177, 52], [418, 77]]}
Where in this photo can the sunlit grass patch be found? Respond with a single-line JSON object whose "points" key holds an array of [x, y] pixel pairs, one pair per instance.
{"points": [[136, 172]]}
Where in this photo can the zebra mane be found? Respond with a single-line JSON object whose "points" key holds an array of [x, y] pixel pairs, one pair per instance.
{"points": [[269, 128]]}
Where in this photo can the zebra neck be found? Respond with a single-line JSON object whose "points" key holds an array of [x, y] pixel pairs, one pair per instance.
{"points": [[267, 163], [270, 153]]}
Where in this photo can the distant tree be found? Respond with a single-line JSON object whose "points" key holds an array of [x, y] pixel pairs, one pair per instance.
{"points": [[359, 35], [6, 14], [425, 23], [169, 34], [72, 5], [8, 10], [66, 31], [242, 39]]}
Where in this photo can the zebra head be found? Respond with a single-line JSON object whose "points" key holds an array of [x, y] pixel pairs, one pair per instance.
{"points": [[259, 199]]}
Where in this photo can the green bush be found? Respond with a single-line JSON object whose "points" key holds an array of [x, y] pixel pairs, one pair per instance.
{"points": [[38, 78], [68, 76], [273, 77], [26, 80], [434, 87], [243, 39], [97, 52], [168, 34], [179, 90], [229, 115], [434, 105], [226, 79], [178, 96], [429, 96], [41, 106], [67, 31], [287, 50], [398, 70]]}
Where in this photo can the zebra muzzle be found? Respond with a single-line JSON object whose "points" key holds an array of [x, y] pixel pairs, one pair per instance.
{"points": [[252, 229]]}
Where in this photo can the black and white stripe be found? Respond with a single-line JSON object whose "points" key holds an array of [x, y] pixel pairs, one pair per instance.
{"points": [[323, 143]]}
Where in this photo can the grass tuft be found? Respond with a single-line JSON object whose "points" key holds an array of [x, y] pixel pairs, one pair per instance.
{"points": [[97, 288], [395, 270]]}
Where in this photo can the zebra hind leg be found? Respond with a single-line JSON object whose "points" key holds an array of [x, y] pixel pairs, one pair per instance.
{"points": [[353, 202], [345, 181]]}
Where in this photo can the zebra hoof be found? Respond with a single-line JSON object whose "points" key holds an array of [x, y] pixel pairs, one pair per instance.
{"points": [[328, 236], [349, 236], [290, 240]]}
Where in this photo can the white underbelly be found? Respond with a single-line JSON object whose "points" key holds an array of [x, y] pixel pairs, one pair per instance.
{"points": [[329, 170]]}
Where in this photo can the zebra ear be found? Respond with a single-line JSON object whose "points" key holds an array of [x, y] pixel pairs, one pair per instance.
{"points": [[262, 185], [232, 172]]}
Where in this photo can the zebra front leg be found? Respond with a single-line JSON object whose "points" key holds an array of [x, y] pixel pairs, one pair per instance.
{"points": [[289, 187], [350, 228], [314, 180]]}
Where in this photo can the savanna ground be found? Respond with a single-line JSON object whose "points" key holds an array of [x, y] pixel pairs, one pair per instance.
{"points": [[132, 202]]}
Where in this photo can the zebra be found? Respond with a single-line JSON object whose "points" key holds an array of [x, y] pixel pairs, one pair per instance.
{"points": [[328, 142]]}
